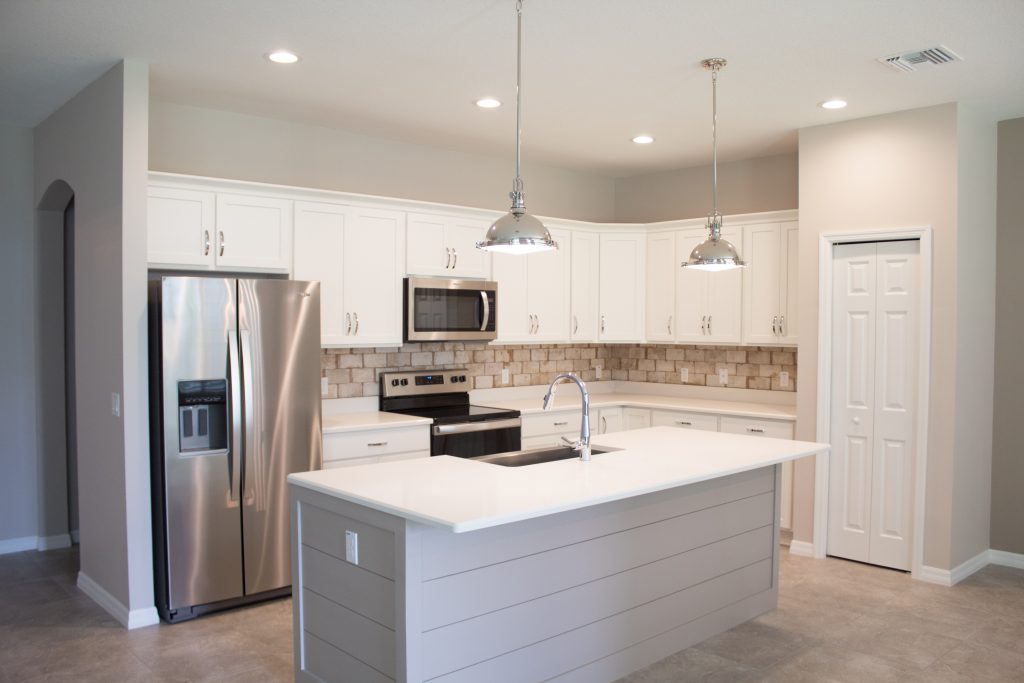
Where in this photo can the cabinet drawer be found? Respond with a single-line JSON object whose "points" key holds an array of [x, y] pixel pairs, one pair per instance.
{"points": [[777, 429], [684, 420], [551, 423], [375, 442]]}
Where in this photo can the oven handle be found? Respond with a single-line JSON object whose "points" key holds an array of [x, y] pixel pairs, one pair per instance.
{"points": [[485, 426], [487, 311]]}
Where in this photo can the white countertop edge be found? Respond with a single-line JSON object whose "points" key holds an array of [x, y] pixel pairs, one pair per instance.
{"points": [[359, 422], [569, 401]]}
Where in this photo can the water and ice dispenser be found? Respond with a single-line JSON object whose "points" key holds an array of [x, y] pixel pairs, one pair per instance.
{"points": [[202, 415]]}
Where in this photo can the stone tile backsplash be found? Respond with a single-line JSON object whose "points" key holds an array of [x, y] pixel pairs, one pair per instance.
{"points": [[353, 372]]}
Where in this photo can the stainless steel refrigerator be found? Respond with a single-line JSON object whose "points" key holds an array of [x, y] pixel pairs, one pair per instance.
{"points": [[234, 408]]}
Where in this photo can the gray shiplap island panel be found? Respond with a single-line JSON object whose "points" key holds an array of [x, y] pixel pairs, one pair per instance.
{"points": [[586, 595]]}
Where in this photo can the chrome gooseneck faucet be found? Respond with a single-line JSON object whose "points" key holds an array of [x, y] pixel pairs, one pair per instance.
{"points": [[583, 445]]}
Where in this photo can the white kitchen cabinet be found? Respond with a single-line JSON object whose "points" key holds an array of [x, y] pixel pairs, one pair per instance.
{"points": [[180, 227], [544, 429], [635, 418], [684, 420], [622, 286], [446, 246], [355, 252], [534, 293], [254, 232], [609, 420], [661, 287], [770, 283], [708, 304], [365, 447], [585, 283]]}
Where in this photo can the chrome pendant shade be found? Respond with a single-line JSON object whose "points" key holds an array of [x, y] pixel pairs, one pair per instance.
{"points": [[517, 232], [714, 253]]}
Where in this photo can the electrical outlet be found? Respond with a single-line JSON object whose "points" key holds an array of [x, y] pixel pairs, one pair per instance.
{"points": [[597, 372], [784, 379], [352, 546], [504, 375], [723, 377], [323, 386], [115, 404], [684, 375]]}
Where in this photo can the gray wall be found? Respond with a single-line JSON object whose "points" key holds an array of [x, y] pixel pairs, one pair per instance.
{"points": [[17, 362], [97, 144], [185, 139], [749, 186], [1007, 459]]}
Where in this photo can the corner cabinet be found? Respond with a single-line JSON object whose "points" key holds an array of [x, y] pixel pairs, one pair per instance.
{"points": [[621, 286], [708, 305], [356, 253], [534, 293], [770, 283], [206, 230], [445, 246]]}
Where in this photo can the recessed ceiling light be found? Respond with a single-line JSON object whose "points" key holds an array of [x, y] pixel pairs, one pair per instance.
{"points": [[283, 57], [643, 139], [834, 103], [488, 103]]}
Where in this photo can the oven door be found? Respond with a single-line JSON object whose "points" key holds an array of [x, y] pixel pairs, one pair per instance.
{"points": [[438, 309], [470, 439]]}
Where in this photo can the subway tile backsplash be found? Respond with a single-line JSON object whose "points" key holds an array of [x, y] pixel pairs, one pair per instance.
{"points": [[353, 372]]}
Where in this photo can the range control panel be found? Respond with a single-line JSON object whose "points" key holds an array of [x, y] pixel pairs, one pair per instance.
{"points": [[420, 382]]}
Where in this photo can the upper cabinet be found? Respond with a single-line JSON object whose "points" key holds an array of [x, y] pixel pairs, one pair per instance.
{"points": [[585, 257], [621, 286], [708, 305], [770, 283], [446, 246], [533, 301], [661, 286], [356, 254], [196, 229]]}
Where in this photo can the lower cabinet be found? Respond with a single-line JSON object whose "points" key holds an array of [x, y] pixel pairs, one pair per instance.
{"points": [[608, 420], [545, 429], [636, 418], [364, 447]]}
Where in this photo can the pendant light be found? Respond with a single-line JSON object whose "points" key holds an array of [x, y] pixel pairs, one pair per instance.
{"points": [[517, 232], [714, 253]]}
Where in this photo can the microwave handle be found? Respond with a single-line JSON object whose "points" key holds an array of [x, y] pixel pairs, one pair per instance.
{"points": [[487, 310]]}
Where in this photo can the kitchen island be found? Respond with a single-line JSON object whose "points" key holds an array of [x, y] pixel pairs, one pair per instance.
{"points": [[447, 569]]}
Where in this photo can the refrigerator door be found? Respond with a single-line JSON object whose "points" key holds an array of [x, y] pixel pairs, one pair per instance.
{"points": [[279, 332], [202, 514]]}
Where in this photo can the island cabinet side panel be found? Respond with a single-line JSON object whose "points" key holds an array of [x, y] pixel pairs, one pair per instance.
{"points": [[593, 594], [345, 593]]}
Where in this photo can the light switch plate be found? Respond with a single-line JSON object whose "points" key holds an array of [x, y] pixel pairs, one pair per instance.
{"points": [[784, 379], [115, 404], [684, 375], [323, 386], [597, 372], [351, 546], [723, 377], [504, 375]]}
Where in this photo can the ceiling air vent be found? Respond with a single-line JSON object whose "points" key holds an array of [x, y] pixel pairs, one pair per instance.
{"points": [[910, 61]]}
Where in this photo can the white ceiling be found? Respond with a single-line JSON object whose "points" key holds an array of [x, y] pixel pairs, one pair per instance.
{"points": [[596, 72]]}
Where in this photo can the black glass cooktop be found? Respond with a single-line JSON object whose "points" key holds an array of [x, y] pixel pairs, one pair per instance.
{"points": [[459, 413]]}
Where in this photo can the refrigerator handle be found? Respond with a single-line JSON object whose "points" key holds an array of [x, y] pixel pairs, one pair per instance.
{"points": [[250, 449], [235, 396]]}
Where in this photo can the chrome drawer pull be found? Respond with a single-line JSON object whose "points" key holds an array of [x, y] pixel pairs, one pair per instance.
{"points": [[756, 430], [378, 443], [684, 422], [561, 424]]}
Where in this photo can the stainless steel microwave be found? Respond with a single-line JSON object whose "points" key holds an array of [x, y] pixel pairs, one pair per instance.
{"points": [[444, 309]]}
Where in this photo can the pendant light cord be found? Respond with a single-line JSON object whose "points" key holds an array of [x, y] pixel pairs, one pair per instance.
{"points": [[714, 141], [517, 184]]}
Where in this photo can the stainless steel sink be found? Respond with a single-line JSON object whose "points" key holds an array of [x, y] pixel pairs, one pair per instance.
{"points": [[537, 456]]}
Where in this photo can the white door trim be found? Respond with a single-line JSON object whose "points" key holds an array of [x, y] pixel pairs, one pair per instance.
{"points": [[824, 430]]}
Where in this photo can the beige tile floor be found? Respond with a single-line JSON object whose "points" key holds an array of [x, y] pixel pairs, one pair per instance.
{"points": [[836, 621]]}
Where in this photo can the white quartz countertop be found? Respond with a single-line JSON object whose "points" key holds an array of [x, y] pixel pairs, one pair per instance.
{"points": [[350, 422], [464, 495], [568, 398]]}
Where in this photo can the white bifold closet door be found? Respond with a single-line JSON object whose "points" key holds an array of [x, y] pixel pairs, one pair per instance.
{"points": [[874, 379]]}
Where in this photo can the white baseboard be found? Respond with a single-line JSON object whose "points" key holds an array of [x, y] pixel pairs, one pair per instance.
{"points": [[951, 577], [53, 542], [75, 537], [130, 619], [1006, 559], [17, 545], [801, 548]]}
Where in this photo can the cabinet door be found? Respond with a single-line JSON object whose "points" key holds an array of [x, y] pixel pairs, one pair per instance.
{"points": [[319, 250], [254, 233], [609, 420], [790, 250], [461, 237], [373, 278], [725, 297], [636, 418], [585, 283], [691, 291], [548, 279], [621, 287], [761, 279], [179, 228], [511, 273], [661, 286], [425, 250]]}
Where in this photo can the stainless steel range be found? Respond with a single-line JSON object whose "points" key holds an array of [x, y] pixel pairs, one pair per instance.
{"points": [[459, 429]]}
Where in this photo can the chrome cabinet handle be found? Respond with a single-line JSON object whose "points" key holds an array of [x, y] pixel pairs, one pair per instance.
{"points": [[448, 258], [575, 325], [755, 430], [703, 324], [221, 233], [355, 317], [782, 326], [775, 325], [684, 423], [348, 323], [206, 242], [670, 324], [604, 424], [536, 324], [455, 259], [709, 324], [602, 323], [377, 443], [561, 424]]}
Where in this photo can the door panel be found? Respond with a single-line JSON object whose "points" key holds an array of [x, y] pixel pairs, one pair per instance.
{"points": [[319, 248], [622, 287], [761, 283], [549, 289], [426, 252], [691, 292], [661, 286], [254, 232], [790, 283], [725, 296], [468, 261], [180, 227], [511, 273], [584, 257], [204, 547], [279, 326], [372, 272]]}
